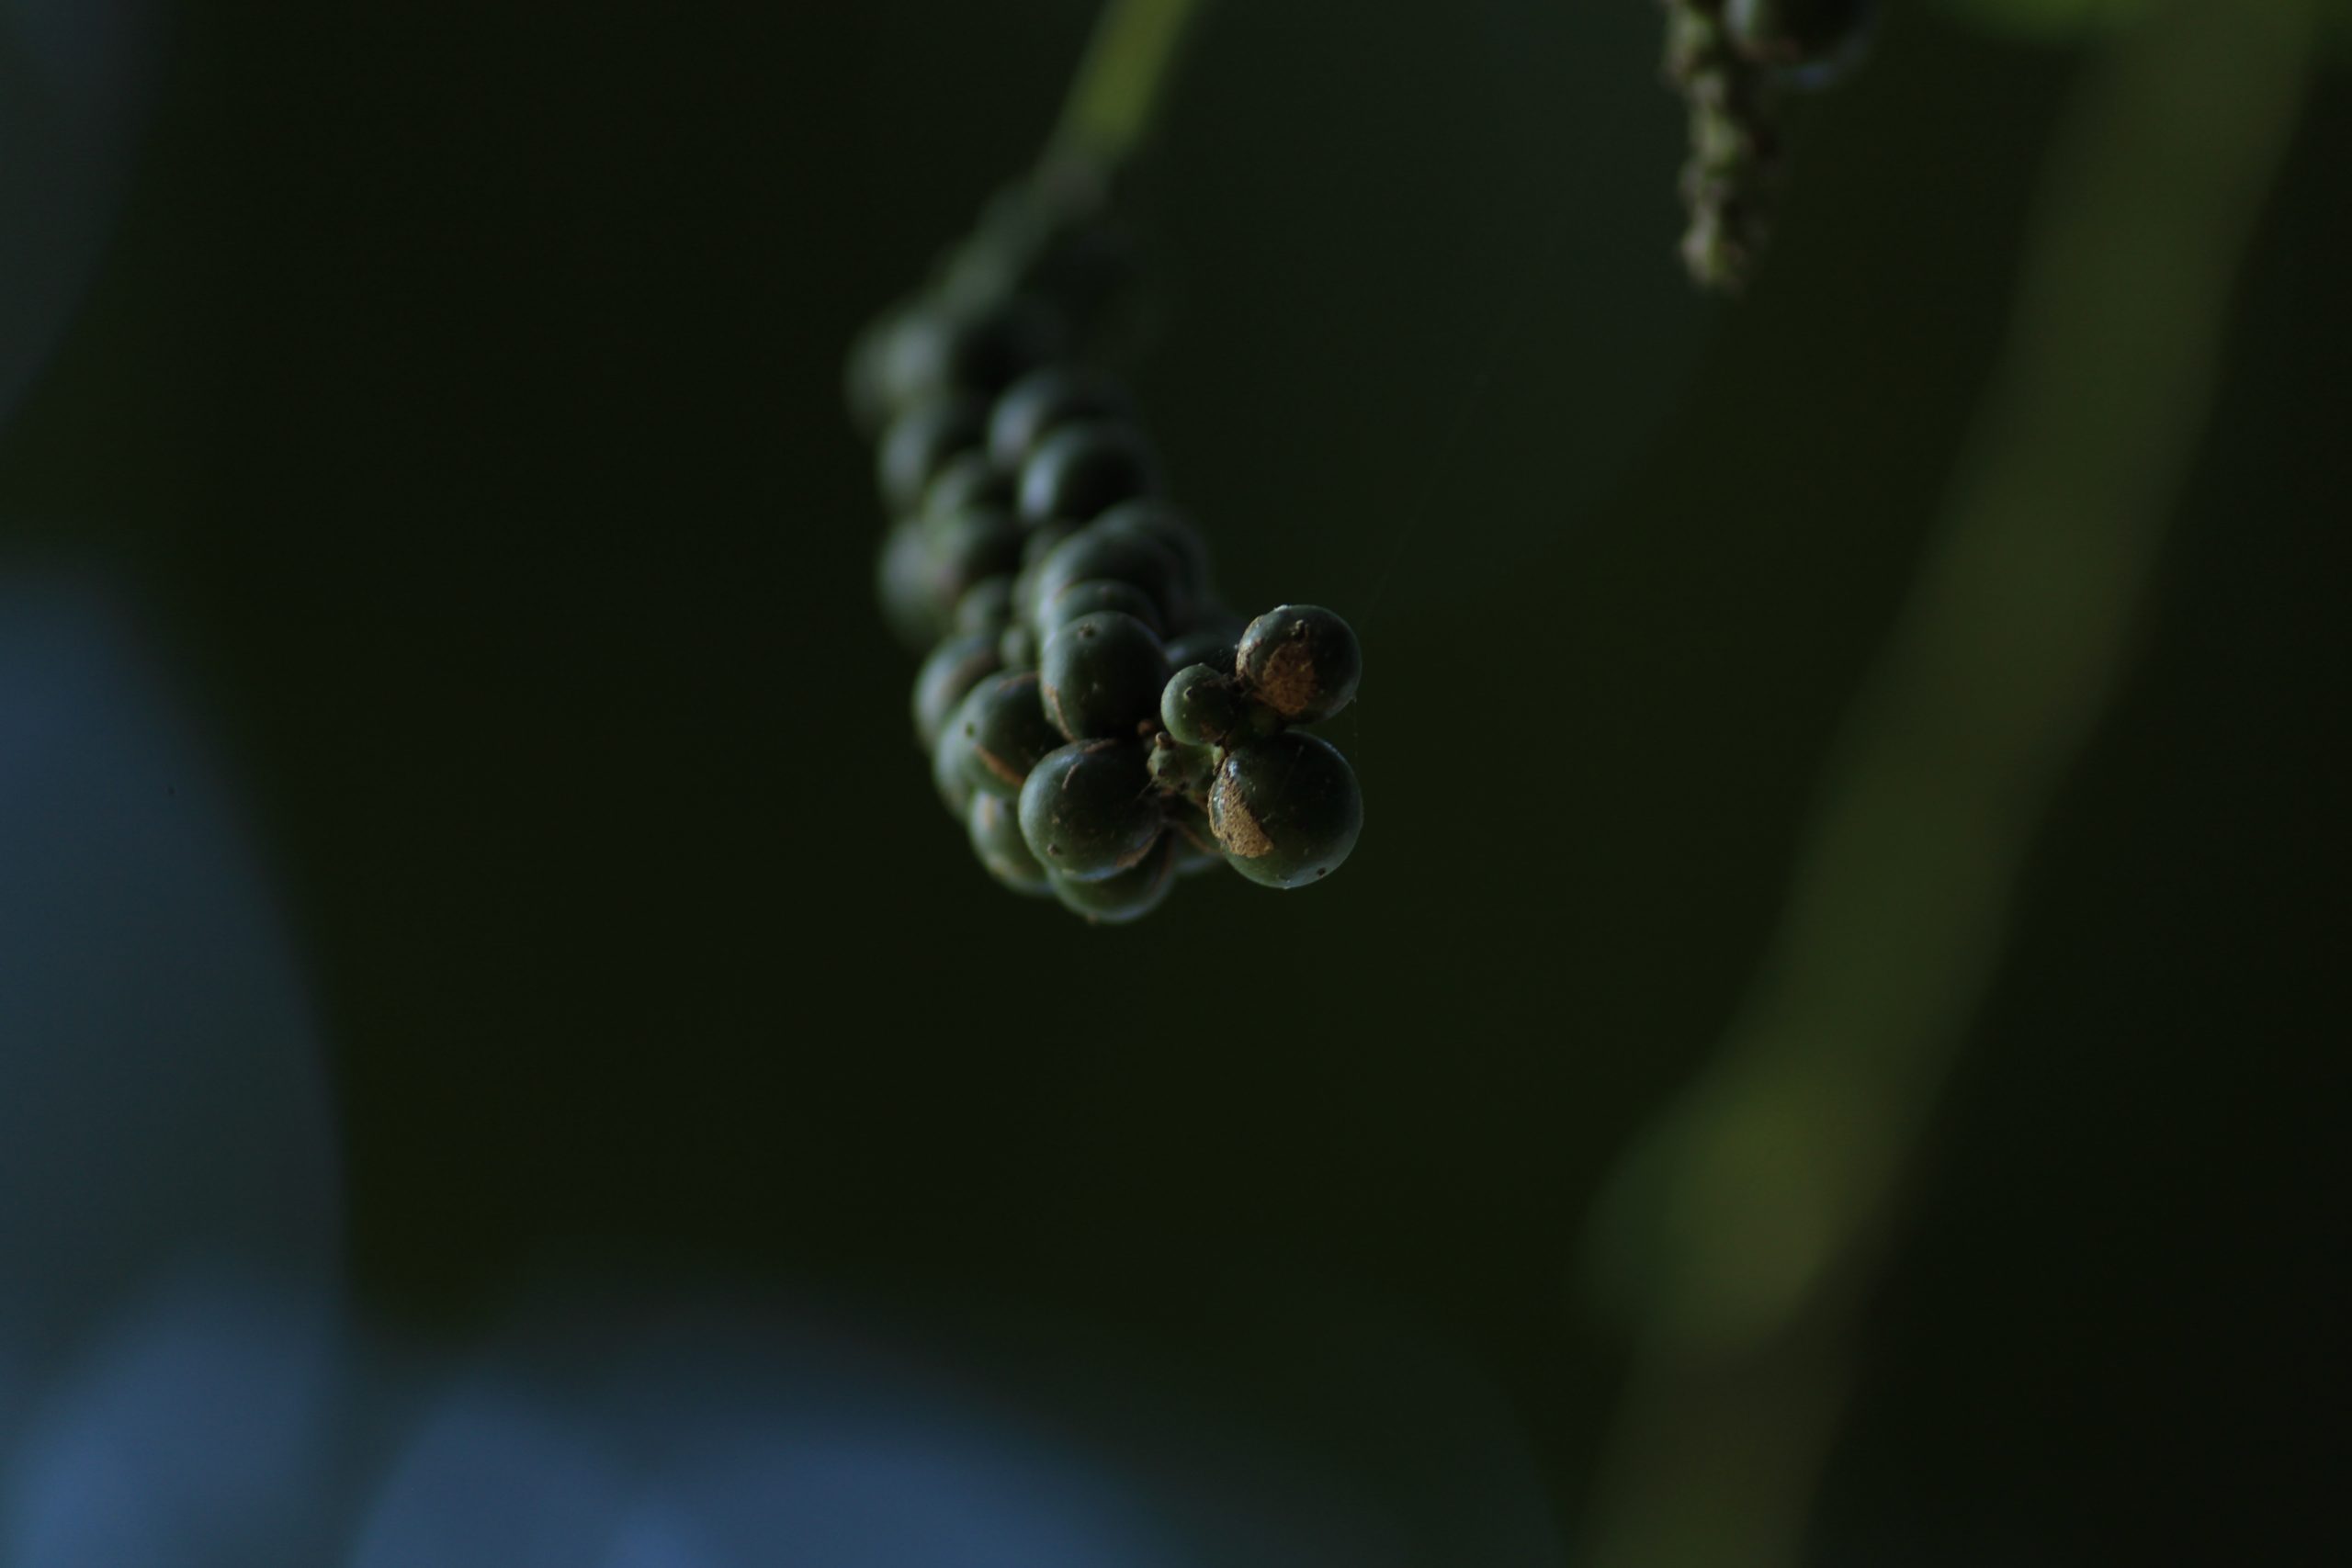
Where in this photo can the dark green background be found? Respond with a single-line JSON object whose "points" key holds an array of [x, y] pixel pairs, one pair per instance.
{"points": [[462, 391]]}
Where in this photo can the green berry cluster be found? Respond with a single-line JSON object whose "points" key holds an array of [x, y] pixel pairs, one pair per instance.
{"points": [[1729, 57], [1097, 718]]}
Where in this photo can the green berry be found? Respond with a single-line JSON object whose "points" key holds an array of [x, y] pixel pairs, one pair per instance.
{"points": [[1197, 846], [986, 606], [1081, 469], [995, 826], [1211, 641], [937, 346], [903, 582], [1103, 549], [949, 774], [1043, 402], [1129, 896], [1301, 661], [1102, 676], [1003, 727], [1017, 647], [919, 443], [867, 383], [969, 478], [965, 548], [1088, 810], [1172, 531], [1035, 545], [954, 667], [1285, 809], [1097, 593], [1202, 706], [1041, 539]]}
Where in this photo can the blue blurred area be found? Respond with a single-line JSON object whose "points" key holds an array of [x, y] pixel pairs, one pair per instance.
{"points": [[76, 79], [169, 1184], [162, 1098], [182, 1385], [196, 1433], [231, 1418], [488, 1480]]}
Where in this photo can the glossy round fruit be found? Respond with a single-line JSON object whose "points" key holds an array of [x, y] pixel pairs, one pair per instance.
{"points": [[1103, 549], [1197, 846], [1043, 402], [1017, 647], [986, 606], [995, 827], [1211, 641], [954, 667], [1081, 469], [1174, 532], [1129, 896], [868, 382], [903, 584], [1003, 727], [937, 345], [1096, 593], [1102, 676], [969, 478], [1285, 809], [967, 548], [1088, 810], [950, 773], [1302, 660], [1038, 543], [1201, 705], [919, 443]]}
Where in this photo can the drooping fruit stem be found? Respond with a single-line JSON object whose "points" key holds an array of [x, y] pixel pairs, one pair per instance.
{"points": [[1743, 1229], [1120, 83]]}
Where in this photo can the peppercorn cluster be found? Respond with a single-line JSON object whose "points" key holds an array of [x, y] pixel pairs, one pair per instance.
{"points": [[1728, 59], [1097, 718]]}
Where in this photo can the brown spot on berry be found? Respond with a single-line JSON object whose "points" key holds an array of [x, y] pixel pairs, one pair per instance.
{"points": [[1286, 680], [1237, 828]]}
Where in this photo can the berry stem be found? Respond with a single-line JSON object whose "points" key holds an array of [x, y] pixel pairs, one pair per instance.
{"points": [[1744, 1226], [1118, 92]]}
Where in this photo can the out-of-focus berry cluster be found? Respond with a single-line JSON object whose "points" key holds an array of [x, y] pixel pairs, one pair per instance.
{"points": [[1096, 717], [1729, 57]]}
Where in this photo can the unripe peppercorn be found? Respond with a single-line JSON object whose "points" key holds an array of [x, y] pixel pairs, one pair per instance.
{"points": [[1285, 809], [967, 478], [935, 346], [1173, 532], [954, 667], [1003, 727], [1043, 402], [1129, 896], [1096, 593], [986, 606], [1088, 810], [1201, 705], [1081, 470], [1103, 549], [1302, 660], [1102, 676], [995, 827], [920, 443]]}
